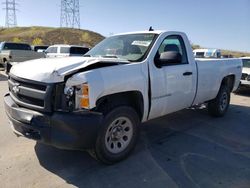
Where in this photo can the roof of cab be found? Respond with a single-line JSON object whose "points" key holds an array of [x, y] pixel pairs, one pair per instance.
{"points": [[142, 32]]}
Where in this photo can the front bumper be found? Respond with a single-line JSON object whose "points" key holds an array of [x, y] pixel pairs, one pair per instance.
{"points": [[65, 130]]}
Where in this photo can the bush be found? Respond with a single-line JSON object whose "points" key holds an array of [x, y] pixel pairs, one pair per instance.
{"points": [[37, 41]]}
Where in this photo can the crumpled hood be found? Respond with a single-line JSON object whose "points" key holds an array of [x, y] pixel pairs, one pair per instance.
{"points": [[52, 70], [246, 70]]}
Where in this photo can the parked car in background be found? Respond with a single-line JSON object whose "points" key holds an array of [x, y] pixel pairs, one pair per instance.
{"points": [[227, 56], [207, 53], [16, 52], [40, 48], [66, 50], [245, 78]]}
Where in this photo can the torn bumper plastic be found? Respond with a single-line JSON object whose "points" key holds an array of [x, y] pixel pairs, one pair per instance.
{"points": [[66, 130]]}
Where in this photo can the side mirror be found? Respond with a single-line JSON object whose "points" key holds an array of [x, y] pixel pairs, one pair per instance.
{"points": [[168, 58]]}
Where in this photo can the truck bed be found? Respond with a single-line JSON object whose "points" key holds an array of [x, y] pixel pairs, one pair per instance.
{"points": [[210, 73]]}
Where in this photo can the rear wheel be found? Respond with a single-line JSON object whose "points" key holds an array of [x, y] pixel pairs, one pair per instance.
{"points": [[2, 65], [5, 64], [218, 106], [118, 135], [238, 89]]}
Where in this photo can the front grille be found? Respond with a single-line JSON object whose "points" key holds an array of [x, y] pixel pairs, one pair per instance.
{"points": [[31, 94], [30, 84], [31, 100], [244, 76]]}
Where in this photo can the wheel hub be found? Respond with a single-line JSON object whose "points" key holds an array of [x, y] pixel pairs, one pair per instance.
{"points": [[118, 135], [223, 101]]}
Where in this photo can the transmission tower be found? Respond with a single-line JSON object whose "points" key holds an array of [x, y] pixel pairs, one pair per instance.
{"points": [[10, 8], [70, 13]]}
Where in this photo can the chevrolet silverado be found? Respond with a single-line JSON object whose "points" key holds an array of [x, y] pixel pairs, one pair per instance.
{"points": [[97, 102]]}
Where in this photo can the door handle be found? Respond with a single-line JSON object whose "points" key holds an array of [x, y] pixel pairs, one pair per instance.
{"points": [[187, 73]]}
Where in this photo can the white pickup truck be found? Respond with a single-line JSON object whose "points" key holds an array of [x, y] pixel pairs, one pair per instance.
{"points": [[16, 52], [96, 102]]}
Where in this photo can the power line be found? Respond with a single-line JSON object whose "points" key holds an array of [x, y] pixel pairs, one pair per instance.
{"points": [[10, 8], [70, 14]]}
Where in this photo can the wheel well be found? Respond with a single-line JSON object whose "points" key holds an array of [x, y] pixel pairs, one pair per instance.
{"points": [[133, 99], [229, 82]]}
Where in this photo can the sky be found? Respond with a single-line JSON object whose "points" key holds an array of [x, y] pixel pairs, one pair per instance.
{"points": [[223, 24]]}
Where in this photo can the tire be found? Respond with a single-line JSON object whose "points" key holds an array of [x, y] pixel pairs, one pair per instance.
{"points": [[2, 65], [5, 65], [218, 106], [117, 136], [238, 90]]}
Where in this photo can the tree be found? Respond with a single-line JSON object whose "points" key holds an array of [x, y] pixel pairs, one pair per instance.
{"points": [[37, 41]]}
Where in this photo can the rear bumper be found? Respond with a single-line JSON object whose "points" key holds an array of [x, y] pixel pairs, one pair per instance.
{"points": [[245, 83], [71, 130]]}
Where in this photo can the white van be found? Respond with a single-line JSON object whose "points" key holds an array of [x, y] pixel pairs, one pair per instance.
{"points": [[65, 50], [207, 53]]}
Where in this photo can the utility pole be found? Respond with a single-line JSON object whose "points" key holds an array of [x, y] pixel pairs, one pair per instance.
{"points": [[10, 8], [70, 14]]}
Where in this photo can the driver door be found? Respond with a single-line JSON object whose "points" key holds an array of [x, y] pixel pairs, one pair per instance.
{"points": [[172, 85]]}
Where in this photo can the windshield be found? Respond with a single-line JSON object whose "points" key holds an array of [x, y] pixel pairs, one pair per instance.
{"points": [[246, 63], [131, 47]]}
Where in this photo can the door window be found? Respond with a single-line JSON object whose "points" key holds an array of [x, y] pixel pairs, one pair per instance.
{"points": [[52, 50], [174, 43], [64, 50]]}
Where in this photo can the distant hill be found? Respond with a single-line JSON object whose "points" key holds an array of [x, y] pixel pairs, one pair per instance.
{"points": [[49, 36]]}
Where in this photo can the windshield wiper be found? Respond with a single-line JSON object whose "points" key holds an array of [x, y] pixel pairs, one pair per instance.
{"points": [[109, 56], [116, 57], [87, 55]]}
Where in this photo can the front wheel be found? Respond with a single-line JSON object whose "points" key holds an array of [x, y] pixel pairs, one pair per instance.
{"points": [[118, 135], [218, 106]]}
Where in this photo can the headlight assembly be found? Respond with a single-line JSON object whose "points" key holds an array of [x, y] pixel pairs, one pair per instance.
{"points": [[82, 96], [69, 92]]}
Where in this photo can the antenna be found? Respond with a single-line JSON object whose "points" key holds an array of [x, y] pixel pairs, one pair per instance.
{"points": [[10, 7], [151, 28], [70, 14]]}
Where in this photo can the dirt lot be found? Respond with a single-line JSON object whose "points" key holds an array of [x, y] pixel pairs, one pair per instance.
{"points": [[185, 149]]}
